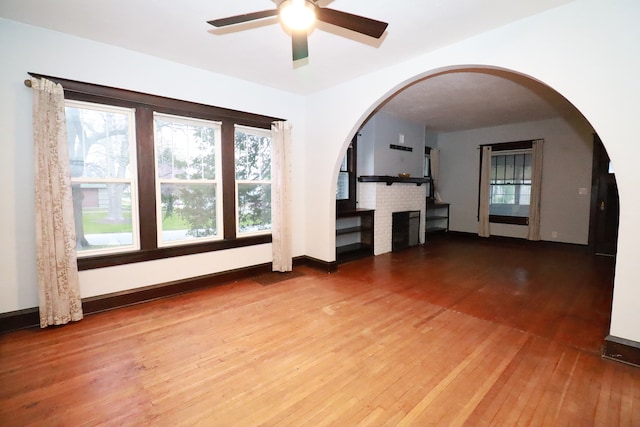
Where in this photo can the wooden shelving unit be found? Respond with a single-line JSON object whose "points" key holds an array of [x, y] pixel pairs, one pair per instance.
{"points": [[437, 219], [354, 234]]}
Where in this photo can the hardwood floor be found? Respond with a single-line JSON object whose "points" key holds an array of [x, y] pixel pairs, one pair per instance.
{"points": [[457, 332]]}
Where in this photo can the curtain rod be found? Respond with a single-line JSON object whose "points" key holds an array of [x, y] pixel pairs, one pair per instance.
{"points": [[27, 82]]}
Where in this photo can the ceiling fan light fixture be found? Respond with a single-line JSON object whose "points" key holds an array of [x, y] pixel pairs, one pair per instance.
{"points": [[297, 15]]}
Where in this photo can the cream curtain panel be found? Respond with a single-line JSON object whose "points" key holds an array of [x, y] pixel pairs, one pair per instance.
{"points": [[435, 173], [281, 196], [536, 187], [485, 190], [58, 285]]}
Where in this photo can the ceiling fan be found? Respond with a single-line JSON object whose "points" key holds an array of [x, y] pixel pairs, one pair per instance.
{"points": [[299, 16]]}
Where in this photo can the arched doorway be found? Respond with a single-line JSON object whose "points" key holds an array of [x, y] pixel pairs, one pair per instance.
{"points": [[523, 109], [489, 105]]}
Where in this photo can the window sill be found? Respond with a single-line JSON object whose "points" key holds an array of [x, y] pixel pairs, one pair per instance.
{"points": [[504, 219], [100, 261]]}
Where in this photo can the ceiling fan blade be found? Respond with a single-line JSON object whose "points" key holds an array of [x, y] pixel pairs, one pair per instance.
{"points": [[300, 45], [360, 24], [238, 19]]}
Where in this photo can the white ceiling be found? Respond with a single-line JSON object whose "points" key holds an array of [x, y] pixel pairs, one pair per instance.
{"points": [[261, 52]]}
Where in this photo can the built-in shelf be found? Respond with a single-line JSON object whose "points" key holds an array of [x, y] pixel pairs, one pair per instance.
{"points": [[388, 179], [437, 220], [354, 234], [348, 230]]}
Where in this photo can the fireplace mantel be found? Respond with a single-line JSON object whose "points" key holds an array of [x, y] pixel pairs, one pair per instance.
{"points": [[388, 179]]}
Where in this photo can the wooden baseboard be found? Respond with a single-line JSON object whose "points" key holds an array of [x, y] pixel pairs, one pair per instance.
{"points": [[621, 350], [19, 319], [512, 240], [328, 266], [148, 293], [30, 317]]}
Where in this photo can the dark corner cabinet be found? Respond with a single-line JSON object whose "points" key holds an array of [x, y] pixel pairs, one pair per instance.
{"points": [[354, 234], [437, 218]]}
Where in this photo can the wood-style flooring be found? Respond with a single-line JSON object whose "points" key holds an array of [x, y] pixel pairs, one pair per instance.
{"points": [[458, 332]]}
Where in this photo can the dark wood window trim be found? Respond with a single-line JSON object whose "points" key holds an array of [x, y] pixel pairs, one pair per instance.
{"points": [[498, 147], [505, 219], [508, 146], [145, 105]]}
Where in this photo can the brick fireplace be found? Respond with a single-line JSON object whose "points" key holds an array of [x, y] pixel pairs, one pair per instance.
{"points": [[387, 199]]}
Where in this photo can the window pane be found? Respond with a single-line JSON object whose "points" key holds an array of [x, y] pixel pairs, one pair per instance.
{"points": [[102, 161], [254, 207], [344, 164], [498, 168], [504, 194], [252, 154], [103, 217], [510, 184], [525, 195], [509, 168], [253, 179], [519, 168], [188, 211], [187, 156], [185, 148], [99, 141], [342, 191]]}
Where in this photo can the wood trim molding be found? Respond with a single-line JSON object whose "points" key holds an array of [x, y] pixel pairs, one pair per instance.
{"points": [[512, 240], [91, 92], [327, 266], [30, 317], [621, 350], [20, 319], [148, 293]]}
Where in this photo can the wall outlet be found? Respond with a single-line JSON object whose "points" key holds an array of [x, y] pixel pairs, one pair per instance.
{"points": [[554, 234], [401, 138]]}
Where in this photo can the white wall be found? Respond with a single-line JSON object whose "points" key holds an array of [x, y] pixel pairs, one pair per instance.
{"points": [[25, 48], [567, 167], [587, 50]]}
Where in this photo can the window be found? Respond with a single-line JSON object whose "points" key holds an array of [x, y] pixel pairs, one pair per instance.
{"points": [[187, 179], [253, 180], [103, 177], [510, 182], [155, 177], [427, 172], [346, 187], [342, 190]]}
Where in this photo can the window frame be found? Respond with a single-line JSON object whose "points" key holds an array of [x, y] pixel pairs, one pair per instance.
{"points": [[216, 126], [244, 181], [505, 147], [144, 105], [351, 156], [131, 181]]}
